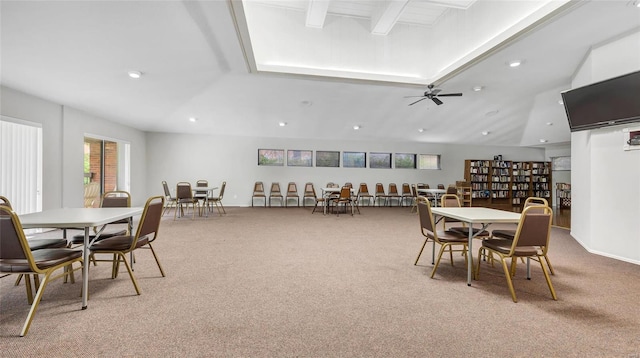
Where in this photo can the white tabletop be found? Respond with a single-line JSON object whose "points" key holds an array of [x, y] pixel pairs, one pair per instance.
{"points": [[432, 191], [203, 188], [477, 215], [76, 217]]}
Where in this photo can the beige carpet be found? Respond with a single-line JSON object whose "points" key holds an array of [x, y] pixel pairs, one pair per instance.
{"points": [[284, 283]]}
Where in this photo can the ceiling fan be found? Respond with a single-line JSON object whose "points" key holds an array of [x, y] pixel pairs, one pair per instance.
{"points": [[433, 94]]}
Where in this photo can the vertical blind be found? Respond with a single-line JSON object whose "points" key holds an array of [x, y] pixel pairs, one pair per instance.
{"points": [[21, 165]]}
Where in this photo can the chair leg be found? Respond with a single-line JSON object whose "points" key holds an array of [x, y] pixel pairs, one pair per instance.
{"points": [[546, 276], [157, 261], [507, 275], [133, 279], [420, 253], [435, 267]]}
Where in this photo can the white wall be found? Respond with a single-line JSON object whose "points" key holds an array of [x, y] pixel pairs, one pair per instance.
{"points": [[63, 131], [606, 179], [182, 157]]}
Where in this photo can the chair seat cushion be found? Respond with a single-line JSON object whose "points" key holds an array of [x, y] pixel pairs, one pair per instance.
{"points": [[39, 244], [44, 258], [448, 236], [117, 243], [504, 247], [504, 234]]}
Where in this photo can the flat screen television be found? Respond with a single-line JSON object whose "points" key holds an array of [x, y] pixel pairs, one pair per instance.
{"points": [[610, 102]]}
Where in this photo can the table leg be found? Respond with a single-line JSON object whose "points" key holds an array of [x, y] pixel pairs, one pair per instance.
{"points": [[85, 269], [470, 255]]}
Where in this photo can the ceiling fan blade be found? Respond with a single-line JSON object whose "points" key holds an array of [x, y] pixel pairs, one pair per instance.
{"points": [[413, 96], [450, 94], [422, 99], [435, 91], [437, 101]]}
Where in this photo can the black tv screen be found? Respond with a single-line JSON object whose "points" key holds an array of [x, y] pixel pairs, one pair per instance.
{"points": [[610, 102]]}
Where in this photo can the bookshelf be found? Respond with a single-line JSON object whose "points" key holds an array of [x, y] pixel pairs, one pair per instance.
{"points": [[503, 182], [563, 195]]}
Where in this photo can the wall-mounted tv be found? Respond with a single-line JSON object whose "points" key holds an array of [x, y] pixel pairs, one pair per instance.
{"points": [[610, 102]]}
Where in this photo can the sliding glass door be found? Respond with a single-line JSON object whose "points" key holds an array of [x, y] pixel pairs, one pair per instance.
{"points": [[106, 168]]}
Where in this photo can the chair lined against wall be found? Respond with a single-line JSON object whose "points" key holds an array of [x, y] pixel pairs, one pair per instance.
{"points": [[345, 198], [292, 193], [258, 192], [364, 195], [406, 194], [275, 193], [393, 194], [380, 195], [309, 193]]}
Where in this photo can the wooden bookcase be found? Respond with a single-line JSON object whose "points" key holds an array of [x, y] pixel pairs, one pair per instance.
{"points": [[503, 182], [563, 195]]}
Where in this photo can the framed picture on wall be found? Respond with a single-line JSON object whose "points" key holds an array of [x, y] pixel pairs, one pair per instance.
{"points": [[405, 161], [354, 159], [380, 160], [327, 158], [299, 158], [271, 157]]}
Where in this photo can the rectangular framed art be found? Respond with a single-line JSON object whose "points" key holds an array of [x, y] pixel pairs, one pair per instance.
{"points": [[271, 157], [299, 158]]}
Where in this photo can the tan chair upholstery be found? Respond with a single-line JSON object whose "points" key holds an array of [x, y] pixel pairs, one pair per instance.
{"points": [[184, 197], [440, 186], [414, 193], [406, 194], [345, 199], [146, 233], [292, 193], [446, 239], [201, 194], [258, 192], [309, 193], [393, 194], [380, 195], [170, 201], [217, 200], [363, 193], [17, 258], [531, 241], [275, 193], [318, 200]]}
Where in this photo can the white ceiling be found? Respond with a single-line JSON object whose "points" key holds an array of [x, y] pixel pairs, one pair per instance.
{"points": [[241, 68]]}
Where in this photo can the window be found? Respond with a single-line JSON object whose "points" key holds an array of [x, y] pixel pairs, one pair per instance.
{"points": [[380, 160], [21, 164], [405, 161], [327, 158], [299, 158], [429, 161], [354, 159], [271, 157], [106, 165]]}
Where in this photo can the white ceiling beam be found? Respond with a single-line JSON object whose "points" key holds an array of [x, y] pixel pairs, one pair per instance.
{"points": [[316, 13], [386, 15]]}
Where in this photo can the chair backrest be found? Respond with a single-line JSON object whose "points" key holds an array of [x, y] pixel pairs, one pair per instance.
{"points": [[275, 188], [452, 190], [331, 185], [309, 190], [183, 190], [345, 193], [427, 224], [258, 188], [150, 219], [224, 185], [440, 186], [534, 228], [423, 186], [167, 192], [379, 189], [201, 184], [537, 202], [348, 184], [13, 243], [450, 200], [393, 189], [406, 189], [4, 201], [116, 199], [414, 191], [364, 189], [292, 189]]}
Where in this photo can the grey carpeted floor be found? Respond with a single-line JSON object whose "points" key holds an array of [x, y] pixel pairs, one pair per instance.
{"points": [[284, 283]]}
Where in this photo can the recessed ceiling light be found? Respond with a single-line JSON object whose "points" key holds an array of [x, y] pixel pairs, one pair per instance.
{"points": [[491, 113], [135, 74], [549, 123], [478, 88], [485, 133], [356, 127], [193, 119], [515, 63], [282, 124], [420, 130], [306, 103], [543, 140]]}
